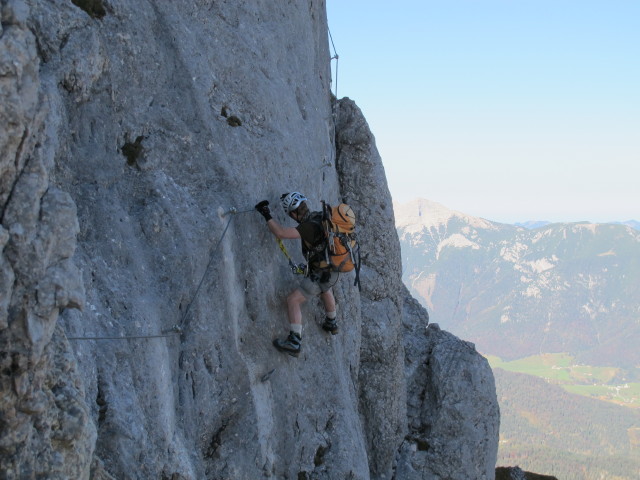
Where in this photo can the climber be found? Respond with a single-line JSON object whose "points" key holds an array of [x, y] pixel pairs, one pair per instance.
{"points": [[317, 280]]}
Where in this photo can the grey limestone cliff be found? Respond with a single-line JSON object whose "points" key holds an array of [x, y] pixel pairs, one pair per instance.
{"points": [[137, 309]]}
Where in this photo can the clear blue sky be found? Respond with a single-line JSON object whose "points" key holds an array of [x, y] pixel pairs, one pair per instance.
{"points": [[510, 110]]}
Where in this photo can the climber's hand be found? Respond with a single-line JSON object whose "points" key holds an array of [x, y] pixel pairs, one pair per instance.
{"points": [[263, 209]]}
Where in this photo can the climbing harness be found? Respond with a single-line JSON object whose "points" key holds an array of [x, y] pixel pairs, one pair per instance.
{"points": [[177, 329], [298, 269]]}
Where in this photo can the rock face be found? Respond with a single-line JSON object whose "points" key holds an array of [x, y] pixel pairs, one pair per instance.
{"points": [[381, 381], [129, 130], [447, 381], [46, 426]]}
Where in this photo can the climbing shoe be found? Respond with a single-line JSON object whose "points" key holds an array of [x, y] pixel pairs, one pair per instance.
{"points": [[290, 345], [330, 325]]}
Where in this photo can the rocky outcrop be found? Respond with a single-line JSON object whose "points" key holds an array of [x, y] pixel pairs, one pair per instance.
{"points": [[516, 473], [381, 381], [447, 381], [132, 128], [46, 426], [416, 381]]}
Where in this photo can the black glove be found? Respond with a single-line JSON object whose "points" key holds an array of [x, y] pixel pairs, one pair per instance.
{"points": [[263, 209]]}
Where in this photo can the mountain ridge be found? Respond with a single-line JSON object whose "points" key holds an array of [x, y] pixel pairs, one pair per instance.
{"points": [[521, 294], [491, 279], [442, 213]]}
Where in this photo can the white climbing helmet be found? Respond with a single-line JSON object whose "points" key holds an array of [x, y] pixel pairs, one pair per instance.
{"points": [[291, 201]]}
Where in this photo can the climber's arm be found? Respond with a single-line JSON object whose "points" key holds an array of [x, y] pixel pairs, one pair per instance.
{"points": [[283, 233]]}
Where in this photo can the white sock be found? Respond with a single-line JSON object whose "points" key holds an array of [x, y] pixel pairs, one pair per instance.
{"points": [[296, 327], [331, 315]]}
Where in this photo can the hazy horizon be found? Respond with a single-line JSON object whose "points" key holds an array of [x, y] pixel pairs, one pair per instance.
{"points": [[511, 111], [518, 221]]}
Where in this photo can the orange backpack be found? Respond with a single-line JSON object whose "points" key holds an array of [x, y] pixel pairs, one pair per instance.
{"points": [[339, 224]]}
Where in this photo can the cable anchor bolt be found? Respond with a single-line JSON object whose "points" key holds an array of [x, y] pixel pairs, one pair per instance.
{"points": [[174, 329]]}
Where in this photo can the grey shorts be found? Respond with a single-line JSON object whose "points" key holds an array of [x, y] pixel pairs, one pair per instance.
{"points": [[311, 288]]}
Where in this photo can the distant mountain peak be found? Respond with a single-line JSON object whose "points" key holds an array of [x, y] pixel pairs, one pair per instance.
{"points": [[420, 213], [533, 224], [630, 223], [555, 285]]}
